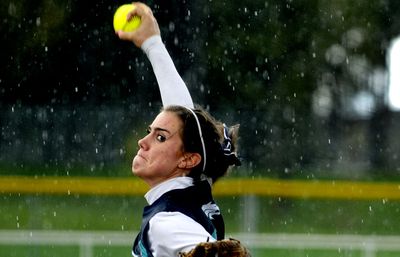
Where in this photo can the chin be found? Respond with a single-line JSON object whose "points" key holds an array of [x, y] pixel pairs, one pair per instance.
{"points": [[136, 170], [134, 167]]}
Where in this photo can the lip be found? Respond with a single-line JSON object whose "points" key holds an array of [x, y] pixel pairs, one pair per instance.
{"points": [[141, 156]]}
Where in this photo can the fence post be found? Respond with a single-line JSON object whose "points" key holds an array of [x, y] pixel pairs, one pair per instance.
{"points": [[86, 248], [370, 249], [250, 209]]}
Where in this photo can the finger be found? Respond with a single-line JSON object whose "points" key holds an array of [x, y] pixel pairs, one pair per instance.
{"points": [[140, 10], [123, 35]]}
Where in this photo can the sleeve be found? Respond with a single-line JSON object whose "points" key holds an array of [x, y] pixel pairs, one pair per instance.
{"points": [[172, 88], [173, 232]]}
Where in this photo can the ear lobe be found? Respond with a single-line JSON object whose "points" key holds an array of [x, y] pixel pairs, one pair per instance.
{"points": [[189, 161]]}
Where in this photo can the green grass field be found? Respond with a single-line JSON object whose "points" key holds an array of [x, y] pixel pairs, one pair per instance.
{"points": [[266, 214], [242, 214], [106, 251], [61, 251], [45, 251]]}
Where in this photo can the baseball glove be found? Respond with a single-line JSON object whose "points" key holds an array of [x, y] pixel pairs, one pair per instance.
{"points": [[221, 248]]}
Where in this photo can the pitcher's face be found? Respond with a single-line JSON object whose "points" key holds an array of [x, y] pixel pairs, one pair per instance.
{"points": [[160, 151]]}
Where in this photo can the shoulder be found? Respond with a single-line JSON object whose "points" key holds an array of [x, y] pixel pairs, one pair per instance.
{"points": [[173, 232]]}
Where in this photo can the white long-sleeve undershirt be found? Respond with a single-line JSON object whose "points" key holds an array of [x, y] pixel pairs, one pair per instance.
{"points": [[173, 89]]}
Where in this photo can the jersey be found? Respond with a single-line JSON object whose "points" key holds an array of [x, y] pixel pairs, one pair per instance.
{"points": [[195, 202]]}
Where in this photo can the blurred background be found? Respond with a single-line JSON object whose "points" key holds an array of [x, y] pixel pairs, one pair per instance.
{"points": [[314, 85]]}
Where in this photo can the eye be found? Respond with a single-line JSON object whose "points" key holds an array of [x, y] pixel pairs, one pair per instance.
{"points": [[148, 130], [161, 138]]}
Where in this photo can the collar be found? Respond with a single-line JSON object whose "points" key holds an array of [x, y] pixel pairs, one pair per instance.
{"points": [[174, 183]]}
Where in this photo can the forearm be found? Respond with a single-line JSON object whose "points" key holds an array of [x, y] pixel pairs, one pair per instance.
{"points": [[173, 89]]}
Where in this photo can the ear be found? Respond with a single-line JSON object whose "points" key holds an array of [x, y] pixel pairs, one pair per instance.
{"points": [[189, 160]]}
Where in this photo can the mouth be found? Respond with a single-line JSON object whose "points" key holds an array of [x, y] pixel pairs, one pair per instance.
{"points": [[140, 156]]}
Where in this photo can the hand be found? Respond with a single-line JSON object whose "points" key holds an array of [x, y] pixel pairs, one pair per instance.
{"points": [[148, 27]]}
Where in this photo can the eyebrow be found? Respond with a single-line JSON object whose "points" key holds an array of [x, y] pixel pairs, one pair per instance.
{"points": [[159, 129]]}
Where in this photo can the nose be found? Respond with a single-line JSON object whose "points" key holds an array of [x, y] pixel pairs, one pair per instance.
{"points": [[142, 143]]}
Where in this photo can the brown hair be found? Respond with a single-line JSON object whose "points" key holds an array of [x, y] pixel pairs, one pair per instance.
{"points": [[222, 248], [217, 163]]}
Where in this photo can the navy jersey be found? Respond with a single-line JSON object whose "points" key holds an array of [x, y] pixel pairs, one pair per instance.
{"points": [[195, 202]]}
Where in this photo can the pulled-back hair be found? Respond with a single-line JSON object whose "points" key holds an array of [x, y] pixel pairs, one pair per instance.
{"points": [[221, 248], [212, 132]]}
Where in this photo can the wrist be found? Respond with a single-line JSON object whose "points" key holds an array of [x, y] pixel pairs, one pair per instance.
{"points": [[151, 42]]}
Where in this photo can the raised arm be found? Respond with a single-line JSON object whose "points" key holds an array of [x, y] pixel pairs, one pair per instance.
{"points": [[173, 89]]}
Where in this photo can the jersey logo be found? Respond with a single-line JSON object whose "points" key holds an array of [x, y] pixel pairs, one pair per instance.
{"points": [[211, 209]]}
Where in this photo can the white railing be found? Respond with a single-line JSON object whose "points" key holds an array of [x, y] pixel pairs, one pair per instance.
{"points": [[368, 244], [86, 240]]}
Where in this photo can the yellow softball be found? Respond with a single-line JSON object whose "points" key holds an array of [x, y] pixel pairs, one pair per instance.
{"points": [[120, 21]]}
